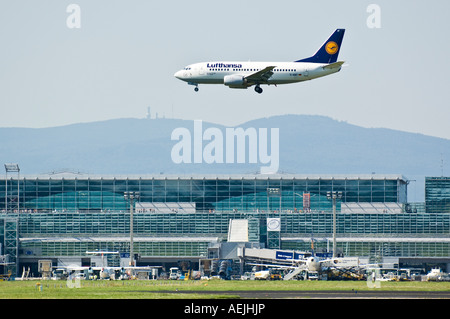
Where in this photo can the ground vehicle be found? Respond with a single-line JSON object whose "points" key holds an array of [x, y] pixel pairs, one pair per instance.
{"points": [[175, 273], [275, 274], [6, 276], [262, 275], [313, 275]]}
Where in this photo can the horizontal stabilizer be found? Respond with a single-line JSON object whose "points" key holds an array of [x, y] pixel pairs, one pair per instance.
{"points": [[336, 65]]}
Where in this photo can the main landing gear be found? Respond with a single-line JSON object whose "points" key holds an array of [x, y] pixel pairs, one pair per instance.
{"points": [[258, 89]]}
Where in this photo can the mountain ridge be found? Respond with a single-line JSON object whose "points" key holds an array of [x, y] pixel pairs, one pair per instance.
{"points": [[308, 144]]}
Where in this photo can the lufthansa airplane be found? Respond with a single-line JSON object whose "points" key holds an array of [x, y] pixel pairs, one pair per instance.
{"points": [[241, 75]]}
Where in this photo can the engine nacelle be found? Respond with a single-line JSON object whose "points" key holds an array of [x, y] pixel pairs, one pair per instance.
{"points": [[235, 81]]}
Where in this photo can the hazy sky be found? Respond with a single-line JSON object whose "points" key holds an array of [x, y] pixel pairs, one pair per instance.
{"points": [[123, 58]]}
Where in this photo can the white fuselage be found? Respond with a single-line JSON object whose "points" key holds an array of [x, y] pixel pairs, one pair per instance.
{"points": [[283, 73]]}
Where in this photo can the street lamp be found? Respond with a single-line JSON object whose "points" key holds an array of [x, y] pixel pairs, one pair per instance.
{"points": [[333, 196], [131, 197]]}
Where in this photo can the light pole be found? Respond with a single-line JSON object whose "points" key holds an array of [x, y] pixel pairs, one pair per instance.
{"points": [[131, 197], [333, 196]]}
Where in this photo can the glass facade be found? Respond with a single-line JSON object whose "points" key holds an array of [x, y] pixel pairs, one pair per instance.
{"points": [[175, 234], [70, 215], [437, 194], [222, 193], [379, 248], [216, 224]]}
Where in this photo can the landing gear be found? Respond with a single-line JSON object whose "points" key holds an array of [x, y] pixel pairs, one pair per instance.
{"points": [[258, 89], [195, 84]]}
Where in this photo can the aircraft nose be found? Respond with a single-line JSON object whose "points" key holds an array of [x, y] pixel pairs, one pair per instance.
{"points": [[178, 74]]}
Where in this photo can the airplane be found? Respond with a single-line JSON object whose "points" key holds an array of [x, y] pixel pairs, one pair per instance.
{"points": [[312, 264], [241, 75]]}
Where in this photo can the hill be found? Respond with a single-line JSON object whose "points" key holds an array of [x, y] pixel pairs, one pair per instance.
{"points": [[307, 145]]}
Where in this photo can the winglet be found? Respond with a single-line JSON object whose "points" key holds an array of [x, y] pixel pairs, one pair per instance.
{"points": [[329, 51]]}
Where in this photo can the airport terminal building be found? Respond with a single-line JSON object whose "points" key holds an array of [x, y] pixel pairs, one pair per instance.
{"points": [[186, 219]]}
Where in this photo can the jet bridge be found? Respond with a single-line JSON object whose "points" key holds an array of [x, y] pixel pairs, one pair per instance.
{"points": [[282, 257]]}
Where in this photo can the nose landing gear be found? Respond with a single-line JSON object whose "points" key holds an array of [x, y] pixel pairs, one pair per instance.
{"points": [[195, 84]]}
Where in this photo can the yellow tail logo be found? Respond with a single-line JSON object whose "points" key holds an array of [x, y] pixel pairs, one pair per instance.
{"points": [[331, 47]]}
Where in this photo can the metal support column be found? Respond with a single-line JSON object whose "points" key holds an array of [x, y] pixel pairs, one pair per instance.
{"points": [[11, 247], [334, 196], [131, 197], [12, 199]]}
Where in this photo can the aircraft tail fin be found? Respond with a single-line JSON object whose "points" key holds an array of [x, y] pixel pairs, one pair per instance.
{"points": [[329, 51]]}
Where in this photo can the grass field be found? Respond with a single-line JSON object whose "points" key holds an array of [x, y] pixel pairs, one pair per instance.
{"points": [[140, 289]]}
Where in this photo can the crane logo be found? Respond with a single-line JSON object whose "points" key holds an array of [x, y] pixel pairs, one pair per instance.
{"points": [[331, 47]]}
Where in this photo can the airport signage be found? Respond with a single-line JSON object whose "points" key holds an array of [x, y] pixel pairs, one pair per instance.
{"points": [[288, 255], [284, 255], [274, 224]]}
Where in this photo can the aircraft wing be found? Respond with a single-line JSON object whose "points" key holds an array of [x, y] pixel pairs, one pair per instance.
{"points": [[343, 262], [261, 76], [272, 266], [296, 264], [142, 267], [72, 268]]}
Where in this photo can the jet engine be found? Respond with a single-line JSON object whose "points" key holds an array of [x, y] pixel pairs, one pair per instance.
{"points": [[235, 81]]}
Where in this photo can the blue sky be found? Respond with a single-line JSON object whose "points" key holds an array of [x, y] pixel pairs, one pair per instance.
{"points": [[123, 58]]}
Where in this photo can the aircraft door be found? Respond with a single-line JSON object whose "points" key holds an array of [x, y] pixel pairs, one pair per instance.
{"points": [[202, 70]]}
